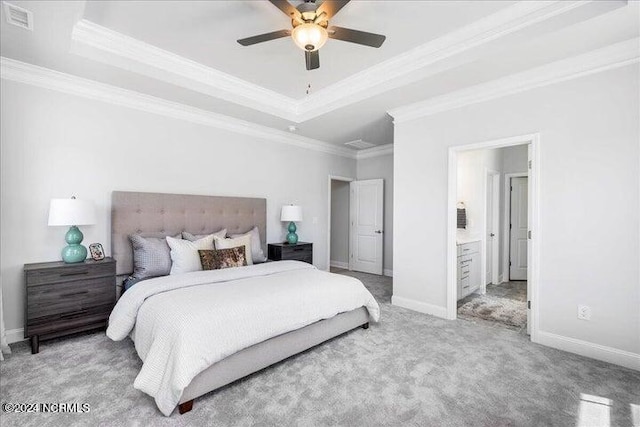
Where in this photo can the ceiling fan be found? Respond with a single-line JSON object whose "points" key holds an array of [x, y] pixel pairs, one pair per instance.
{"points": [[310, 22]]}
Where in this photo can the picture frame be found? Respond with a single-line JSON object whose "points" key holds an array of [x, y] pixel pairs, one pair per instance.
{"points": [[97, 251]]}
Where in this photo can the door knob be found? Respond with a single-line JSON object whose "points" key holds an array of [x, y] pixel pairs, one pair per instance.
{"points": [[378, 231], [492, 235]]}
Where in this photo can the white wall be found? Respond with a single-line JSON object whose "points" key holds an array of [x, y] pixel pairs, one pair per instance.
{"points": [[382, 167], [472, 168], [589, 203], [514, 159], [339, 222], [58, 145]]}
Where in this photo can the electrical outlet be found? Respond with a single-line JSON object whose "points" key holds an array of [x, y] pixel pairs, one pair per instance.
{"points": [[584, 312]]}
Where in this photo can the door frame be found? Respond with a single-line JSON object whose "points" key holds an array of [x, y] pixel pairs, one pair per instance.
{"points": [[336, 178], [507, 217], [533, 140], [495, 247]]}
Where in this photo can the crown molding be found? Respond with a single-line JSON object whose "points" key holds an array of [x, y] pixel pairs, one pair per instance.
{"points": [[111, 47], [607, 58], [414, 64], [21, 72], [380, 150], [108, 46]]}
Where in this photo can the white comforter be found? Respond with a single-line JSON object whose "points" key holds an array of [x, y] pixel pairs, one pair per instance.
{"points": [[185, 323]]}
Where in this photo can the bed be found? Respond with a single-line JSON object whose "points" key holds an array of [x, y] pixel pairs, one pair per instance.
{"points": [[174, 350]]}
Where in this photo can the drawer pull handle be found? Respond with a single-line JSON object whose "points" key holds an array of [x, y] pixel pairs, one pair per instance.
{"points": [[72, 294], [76, 273], [74, 314], [298, 249]]}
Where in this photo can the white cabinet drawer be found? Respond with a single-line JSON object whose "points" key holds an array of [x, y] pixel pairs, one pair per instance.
{"points": [[465, 271], [468, 248], [465, 287]]}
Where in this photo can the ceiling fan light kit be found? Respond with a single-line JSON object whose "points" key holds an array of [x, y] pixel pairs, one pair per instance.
{"points": [[309, 36], [310, 22]]}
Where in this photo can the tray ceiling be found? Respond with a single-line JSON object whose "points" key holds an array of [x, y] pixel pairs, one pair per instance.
{"points": [[185, 52]]}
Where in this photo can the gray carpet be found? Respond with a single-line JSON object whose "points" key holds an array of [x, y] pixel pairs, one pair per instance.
{"points": [[410, 369]]}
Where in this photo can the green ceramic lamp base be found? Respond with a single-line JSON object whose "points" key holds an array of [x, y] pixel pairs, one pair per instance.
{"points": [[74, 252], [292, 237]]}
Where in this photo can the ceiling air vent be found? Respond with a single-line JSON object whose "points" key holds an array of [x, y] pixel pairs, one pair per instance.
{"points": [[18, 16], [359, 144]]}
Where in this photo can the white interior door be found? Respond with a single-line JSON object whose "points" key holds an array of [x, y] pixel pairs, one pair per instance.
{"points": [[366, 230], [518, 242]]}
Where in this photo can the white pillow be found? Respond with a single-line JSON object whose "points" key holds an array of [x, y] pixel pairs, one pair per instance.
{"points": [[184, 254], [256, 246], [193, 237], [244, 240]]}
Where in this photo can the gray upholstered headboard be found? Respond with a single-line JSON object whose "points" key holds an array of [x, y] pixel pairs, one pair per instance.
{"points": [[133, 212]]}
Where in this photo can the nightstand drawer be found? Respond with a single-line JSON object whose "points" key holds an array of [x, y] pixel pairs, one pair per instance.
{"points": [[305, 257], [301, 251], [61, 298], [74, 319], [294, 250], [72, 272]]}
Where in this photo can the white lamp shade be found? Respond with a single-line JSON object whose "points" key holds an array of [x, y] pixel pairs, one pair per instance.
{"points": [[71, 212], [291, 213]]}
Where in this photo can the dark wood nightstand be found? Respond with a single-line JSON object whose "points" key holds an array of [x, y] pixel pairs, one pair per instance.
{"points": [[301, 251], [63, 299]]}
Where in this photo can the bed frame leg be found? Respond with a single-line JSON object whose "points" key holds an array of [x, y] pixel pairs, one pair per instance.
{"points": [[365, 326], [185, 407]]}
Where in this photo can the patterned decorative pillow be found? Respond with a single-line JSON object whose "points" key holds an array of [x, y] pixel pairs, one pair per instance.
{"points": [[216, 259], [244, 240], [151, 256]]}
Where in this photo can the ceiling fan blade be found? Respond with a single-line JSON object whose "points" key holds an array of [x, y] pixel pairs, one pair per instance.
{"points": [[312, 59], [331, 7], [264, 37], [287, 8], [355, 36]]}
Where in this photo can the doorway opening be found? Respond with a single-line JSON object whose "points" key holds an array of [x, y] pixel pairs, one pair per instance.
{"points": [[339, 212], [492, 218]]}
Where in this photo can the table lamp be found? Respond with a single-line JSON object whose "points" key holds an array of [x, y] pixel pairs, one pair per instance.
{"points": [[72, 212], [292, 214]]}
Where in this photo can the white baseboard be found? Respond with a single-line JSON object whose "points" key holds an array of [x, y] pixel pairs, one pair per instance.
{"points": [[388, 272], [501, 278], [589, 349], [419, 306], [339, 264], [15, 335]]}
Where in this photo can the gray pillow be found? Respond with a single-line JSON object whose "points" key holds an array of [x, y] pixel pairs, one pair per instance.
{"points": [[151, 255], [256, 246], [193, 237]]}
